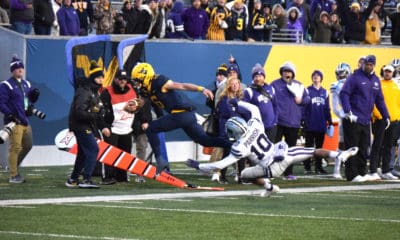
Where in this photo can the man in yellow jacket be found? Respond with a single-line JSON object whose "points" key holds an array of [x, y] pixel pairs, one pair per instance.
{"points": [[385, 139]]}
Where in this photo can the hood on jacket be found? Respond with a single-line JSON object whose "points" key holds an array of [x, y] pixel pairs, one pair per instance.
{"points": [[178, 7], [296, 10]]}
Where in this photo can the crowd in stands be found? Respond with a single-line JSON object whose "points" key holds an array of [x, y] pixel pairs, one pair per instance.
{"points": [[317, 21]]}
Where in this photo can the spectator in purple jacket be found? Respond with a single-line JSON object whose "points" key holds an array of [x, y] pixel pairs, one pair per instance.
{"points": [[175, 28], [361, 91], [291, 96], [262, 95], [196, 21], [316, 116], [21, 16], [294, 23], [68, 20]]}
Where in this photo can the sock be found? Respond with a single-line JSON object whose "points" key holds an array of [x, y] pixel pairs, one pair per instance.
{"points": [[336, 169], [333, 154], [267, 184]]}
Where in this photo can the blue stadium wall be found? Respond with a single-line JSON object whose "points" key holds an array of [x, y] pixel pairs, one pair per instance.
{"points": [[184, 61]]}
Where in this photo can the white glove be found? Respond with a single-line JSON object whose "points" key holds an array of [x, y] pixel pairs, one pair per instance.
{"points": [[223, 25], [350, 116], [330, 131], [387, 123], [296, 89], [259, 27]]}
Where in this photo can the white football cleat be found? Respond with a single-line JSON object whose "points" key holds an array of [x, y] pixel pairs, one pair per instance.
{"points": [[344, 155], [269, 192], [215, 177], [337, 176], [359, 178], [389, 176], [372, 177]]}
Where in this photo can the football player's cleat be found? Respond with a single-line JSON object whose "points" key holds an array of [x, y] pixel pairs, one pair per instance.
{"points": [[268, 192], [344, 155]]}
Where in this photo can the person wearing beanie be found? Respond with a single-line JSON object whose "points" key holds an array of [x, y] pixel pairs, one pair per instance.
{"points": [[120, 106], [86, 111], [291, 96], [360, 93], [262, 95], [385, 140], [316, 117], [17, 97]]}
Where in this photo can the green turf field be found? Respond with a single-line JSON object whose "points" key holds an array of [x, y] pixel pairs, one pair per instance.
{"points": [[303, 210]]}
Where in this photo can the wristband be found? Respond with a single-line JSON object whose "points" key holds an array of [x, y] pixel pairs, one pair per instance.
{"points": [[200, 88]]}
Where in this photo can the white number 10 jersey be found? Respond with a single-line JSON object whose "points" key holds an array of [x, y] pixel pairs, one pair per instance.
{"points": [[254, 145]]}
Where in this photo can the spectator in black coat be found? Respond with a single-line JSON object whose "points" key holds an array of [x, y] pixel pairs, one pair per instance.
{"points": [[395, 19], [44, 17]]}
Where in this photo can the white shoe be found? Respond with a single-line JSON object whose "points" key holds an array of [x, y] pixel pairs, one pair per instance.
{"points": [[268, 193], [337, 176], [140, 179], [359, 178], [389, 176], [344, 155], [395, 173], [372, 177], [215, 177]]}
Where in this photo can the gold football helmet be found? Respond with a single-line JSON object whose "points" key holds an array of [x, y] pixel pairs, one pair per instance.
{"points": [[143, 73]]}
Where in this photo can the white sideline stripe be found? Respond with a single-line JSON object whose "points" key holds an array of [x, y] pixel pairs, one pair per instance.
{"points": [[351, 195], [62, 235], [191, 194], [241, 213]]}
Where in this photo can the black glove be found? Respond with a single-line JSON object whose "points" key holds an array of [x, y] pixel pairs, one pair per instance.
{"points": [[28, 112], [234, 102], [12, 118], [34, 95]]}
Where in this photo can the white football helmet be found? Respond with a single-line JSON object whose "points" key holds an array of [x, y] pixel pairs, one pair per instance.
{"points": [[235, 128]]}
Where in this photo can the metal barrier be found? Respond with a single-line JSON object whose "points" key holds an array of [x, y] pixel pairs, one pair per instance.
{"points": [[287, 35]]}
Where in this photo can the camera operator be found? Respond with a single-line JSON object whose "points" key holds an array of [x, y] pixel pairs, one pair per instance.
{"points": [[16, 95], [85, 111]]}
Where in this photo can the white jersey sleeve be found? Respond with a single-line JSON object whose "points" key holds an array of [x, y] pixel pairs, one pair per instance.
{"points": [[336, 87]]}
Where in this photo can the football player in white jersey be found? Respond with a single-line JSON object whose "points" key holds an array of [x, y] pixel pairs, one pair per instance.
{"points": [[342, 71], [269, 160]]}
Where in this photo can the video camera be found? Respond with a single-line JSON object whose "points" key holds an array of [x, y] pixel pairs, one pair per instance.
{"points": [[6, 131]]}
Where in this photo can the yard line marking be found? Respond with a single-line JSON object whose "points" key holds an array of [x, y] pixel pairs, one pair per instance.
{"points": [[190, 194], [19, 206], [63, 235], [175, 200], [240, 213], [133, 202], [350, 195]]}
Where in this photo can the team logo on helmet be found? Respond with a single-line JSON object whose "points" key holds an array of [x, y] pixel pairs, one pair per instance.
{"points": [[143, 73]]}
